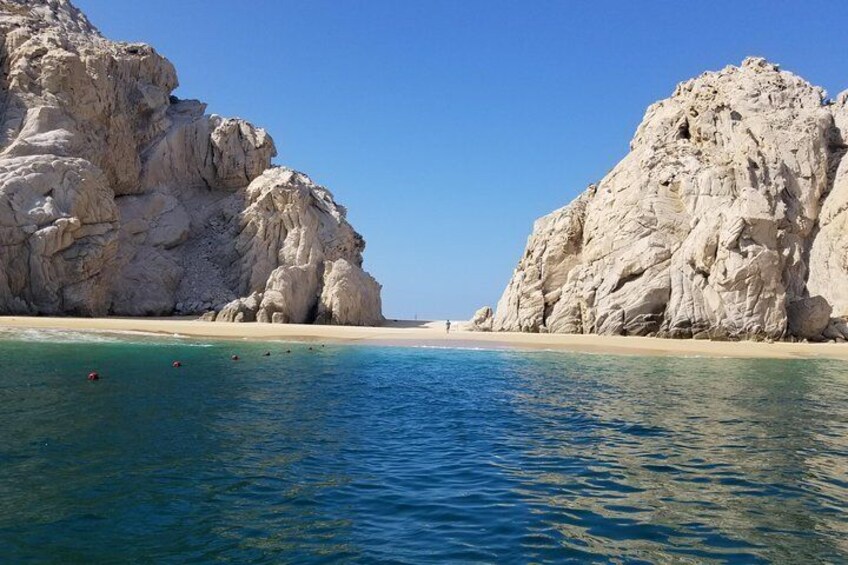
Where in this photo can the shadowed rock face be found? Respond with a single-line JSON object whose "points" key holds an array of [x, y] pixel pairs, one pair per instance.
{"points": [[730, 207], [116, 197]]}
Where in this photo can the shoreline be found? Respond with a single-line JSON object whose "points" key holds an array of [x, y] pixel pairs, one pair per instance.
{"points": [[432, 334]]}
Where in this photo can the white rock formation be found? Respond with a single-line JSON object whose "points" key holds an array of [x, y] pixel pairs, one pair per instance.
{"points": [[300, 261], [116, 197], [730, 207], [482, 320], [829, 250]]}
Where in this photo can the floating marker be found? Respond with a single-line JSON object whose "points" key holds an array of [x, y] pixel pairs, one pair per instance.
{"points": [[176, 364], [93, 376]]}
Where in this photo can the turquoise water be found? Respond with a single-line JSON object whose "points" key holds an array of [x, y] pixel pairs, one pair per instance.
{"points": [[364, 454]]}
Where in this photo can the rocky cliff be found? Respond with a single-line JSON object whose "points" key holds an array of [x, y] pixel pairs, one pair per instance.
{"points": [[118, 198], [727, 219]]}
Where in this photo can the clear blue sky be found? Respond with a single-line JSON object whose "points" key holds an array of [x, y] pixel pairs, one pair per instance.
{"points": [[447, 127]]}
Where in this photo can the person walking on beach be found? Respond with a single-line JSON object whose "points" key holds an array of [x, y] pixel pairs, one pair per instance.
{"points": [[447, 327]]}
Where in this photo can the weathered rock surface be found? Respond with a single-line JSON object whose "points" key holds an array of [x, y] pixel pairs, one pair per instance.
{"points": [[829, 249], [300, 261], [350, 295], [116, 197], [482, 320], [731, 206], [808, 317]]}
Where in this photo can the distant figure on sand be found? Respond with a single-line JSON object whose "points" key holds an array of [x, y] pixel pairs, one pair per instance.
{"points": [[447, 327]]}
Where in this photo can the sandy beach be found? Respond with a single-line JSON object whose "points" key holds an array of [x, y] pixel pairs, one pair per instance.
{"points": [[432, 333]]}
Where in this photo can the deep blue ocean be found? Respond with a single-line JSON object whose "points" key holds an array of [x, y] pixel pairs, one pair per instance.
{"points": [[413, 455]]}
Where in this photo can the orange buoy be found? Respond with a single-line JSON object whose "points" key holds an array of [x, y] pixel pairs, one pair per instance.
{"points": [[235, 357], [93, 376], [176, 364]]}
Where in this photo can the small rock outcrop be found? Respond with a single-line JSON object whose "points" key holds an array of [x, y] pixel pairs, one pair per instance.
{"points": [[118, 198], [808, 317], [482, 320], [727, 219], [300, 261]]}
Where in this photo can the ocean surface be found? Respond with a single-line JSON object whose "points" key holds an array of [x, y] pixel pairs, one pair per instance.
{"points": [[413, 455]]}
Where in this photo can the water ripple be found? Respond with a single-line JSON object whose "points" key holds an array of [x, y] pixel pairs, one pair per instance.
{"points": [[416, 455]]}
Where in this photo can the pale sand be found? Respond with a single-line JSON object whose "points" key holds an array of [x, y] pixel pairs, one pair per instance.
{"points": [[433, 334]]}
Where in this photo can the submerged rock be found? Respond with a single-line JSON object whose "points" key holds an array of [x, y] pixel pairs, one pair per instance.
{"points": [[116, 197], [726, 215]]}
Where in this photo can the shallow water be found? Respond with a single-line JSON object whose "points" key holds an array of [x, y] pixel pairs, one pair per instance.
{"points": [[368, 454]]}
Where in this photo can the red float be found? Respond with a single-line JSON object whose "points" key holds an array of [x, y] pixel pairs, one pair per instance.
{"points": [[93, 376], [177, 364]]}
